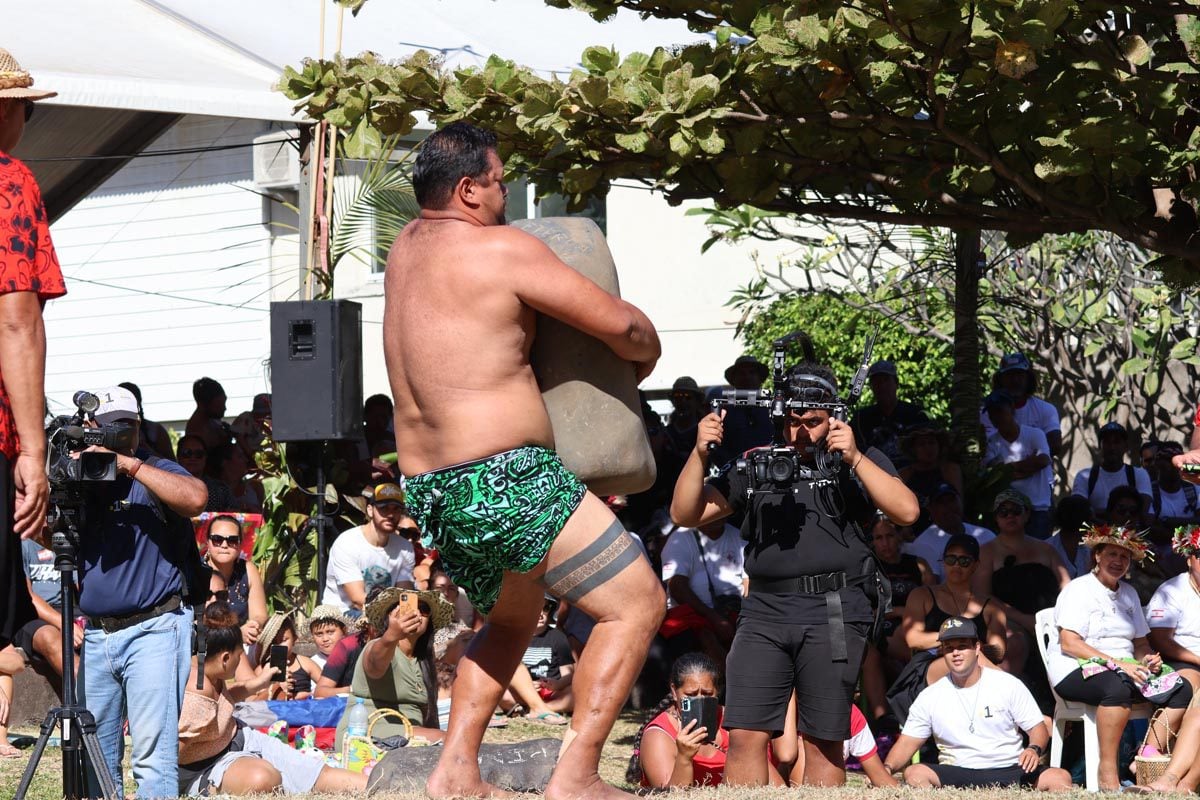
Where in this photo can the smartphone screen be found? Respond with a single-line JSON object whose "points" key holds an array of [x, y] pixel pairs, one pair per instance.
{"points": [[701, 709], [279, 659]]}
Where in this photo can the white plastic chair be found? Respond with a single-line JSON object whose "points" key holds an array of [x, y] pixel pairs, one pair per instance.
{"points": [[1072, 711]]}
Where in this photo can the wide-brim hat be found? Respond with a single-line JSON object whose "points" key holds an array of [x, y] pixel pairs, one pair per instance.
{"points": [[760, 369], [376, 611], [16, 82], [1098, 535], [269, 632], [329, 613]]}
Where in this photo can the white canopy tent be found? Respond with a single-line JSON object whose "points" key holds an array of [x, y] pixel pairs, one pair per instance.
{"points": [[127, 70]]}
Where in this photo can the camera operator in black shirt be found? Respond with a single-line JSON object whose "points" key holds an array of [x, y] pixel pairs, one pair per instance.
{"points": [[805, 621]]}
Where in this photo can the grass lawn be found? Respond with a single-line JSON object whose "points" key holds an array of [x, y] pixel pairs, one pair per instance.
{"points": [[47, 784]]}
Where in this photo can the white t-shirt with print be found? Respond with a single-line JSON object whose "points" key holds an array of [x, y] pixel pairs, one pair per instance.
{"points": [[998, 706], [1029, 442], [723, 562], [1108, 621], [1107, 482], [352, 554], [1176, 605]]}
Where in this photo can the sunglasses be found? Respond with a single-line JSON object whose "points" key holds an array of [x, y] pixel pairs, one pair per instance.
{"points": [[1009, 511], [958, 561], [189, 453], [217, 539], [29, 106]]}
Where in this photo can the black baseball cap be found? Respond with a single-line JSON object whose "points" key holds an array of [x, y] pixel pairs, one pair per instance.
{"points": [[1113, 427], [958, 628]]}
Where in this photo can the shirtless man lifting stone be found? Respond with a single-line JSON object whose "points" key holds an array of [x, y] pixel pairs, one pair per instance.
{"points": [[474, 440]]}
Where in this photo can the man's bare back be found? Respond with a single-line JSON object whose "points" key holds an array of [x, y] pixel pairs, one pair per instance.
{"points": [[457, 341], [461, 303]]}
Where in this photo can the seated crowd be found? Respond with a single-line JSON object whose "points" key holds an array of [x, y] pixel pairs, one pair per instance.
{"points": [[953, 670]]}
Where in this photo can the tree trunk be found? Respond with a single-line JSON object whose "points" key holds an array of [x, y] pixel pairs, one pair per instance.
{"points": [[965, 397]]}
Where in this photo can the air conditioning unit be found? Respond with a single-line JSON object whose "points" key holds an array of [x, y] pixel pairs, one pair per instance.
{"points": [[277, 160]]}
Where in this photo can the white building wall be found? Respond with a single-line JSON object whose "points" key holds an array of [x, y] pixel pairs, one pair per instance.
{"points": [[661, 270], [167, 275]]}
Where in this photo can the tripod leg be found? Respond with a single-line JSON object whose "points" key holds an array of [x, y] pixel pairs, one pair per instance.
{"points": [[36, 756], [91, 744]]}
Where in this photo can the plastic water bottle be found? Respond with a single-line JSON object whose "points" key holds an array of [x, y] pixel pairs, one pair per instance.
{"points": [[356, 723]]}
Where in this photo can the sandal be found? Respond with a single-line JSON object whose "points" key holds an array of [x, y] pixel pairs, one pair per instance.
{"points": [[8, 751], [547, 718]]}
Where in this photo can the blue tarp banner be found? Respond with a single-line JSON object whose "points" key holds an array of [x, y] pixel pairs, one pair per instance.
{"points": [[323, 713]]}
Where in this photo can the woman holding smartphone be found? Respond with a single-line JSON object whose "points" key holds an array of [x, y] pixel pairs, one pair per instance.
{"points": [[673, 748]]}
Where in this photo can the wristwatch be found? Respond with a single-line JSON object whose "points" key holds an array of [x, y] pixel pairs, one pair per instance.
{"points": [[1037, 748]]}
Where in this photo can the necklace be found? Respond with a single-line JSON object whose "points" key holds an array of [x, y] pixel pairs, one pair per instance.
{"points": [[959, 610], [974, 704]]}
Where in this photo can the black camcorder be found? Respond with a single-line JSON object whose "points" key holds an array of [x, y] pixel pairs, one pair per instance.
{"points": [[67, 438], [780, 468]]}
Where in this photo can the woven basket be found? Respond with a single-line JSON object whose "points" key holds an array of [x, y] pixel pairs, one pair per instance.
{"points": [[1151, 768]]}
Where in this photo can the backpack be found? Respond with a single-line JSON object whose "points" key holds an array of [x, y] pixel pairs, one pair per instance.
{"points": [[1094, 478], [1189, 496]]}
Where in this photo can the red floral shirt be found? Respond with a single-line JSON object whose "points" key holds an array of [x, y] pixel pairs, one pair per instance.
{"points": [[27, 259]]}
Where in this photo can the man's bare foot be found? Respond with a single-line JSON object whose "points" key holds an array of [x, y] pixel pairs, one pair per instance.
{"points": [[442, 786], [591, 789]]}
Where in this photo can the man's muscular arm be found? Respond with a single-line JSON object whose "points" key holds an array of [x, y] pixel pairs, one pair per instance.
{"points": [[186, 495], [548, 285], [23, 364]]}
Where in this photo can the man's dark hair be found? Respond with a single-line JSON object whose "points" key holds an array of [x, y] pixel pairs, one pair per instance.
{"points": [[377, 400], [809, 368], [1123, 492], [205, 389], [457, 151]]}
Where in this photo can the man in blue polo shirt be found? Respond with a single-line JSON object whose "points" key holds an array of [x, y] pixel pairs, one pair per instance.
{"points": [[137, 648]]}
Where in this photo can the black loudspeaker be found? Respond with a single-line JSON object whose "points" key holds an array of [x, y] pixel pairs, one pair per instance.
{"points": [[316, 370]]}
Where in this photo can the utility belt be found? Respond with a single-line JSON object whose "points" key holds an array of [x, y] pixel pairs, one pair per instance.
{"points": [[123, 621], [827, 584]]}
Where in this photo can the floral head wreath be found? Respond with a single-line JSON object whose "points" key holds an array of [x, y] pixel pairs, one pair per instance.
{"points": [[1186, 541], [1097, 535]]}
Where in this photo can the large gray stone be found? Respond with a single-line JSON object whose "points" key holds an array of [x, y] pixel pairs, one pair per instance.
{"points": [[590, 393], [518, 767], [33, 696]]}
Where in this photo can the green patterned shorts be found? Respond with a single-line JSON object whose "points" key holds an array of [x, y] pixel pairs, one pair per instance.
{"points": [[495, 515]]}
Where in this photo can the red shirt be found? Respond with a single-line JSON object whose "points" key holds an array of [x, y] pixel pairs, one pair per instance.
{"points": [[706, 770], [27, 260]]}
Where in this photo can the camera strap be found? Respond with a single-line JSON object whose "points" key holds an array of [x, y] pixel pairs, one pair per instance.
{"points": [[712, 590]]}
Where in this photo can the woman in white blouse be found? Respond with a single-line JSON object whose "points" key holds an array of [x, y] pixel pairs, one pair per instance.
{"points": [[1102, 655]]}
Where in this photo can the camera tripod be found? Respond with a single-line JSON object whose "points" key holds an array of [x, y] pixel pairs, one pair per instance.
{"points": [[80, 744]]}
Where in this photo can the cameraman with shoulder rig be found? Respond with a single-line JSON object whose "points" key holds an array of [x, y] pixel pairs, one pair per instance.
{"points": [[138, 645], [805, 621]]}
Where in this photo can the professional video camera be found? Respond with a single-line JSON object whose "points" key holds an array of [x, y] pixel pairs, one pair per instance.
{"points": [[779, 468], [67, 436]]}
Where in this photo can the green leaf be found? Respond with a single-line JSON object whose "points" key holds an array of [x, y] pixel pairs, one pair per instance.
{"points": [[1146, 296], [599, 59], [365, 141], [1184, 349], [1133, 366], [1150, 383]]}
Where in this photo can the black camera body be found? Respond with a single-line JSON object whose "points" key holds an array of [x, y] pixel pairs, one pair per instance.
{"points": [[67, 438], [773, 470]]}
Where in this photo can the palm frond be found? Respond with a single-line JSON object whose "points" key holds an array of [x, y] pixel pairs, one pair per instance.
{"points": [[370, 217]]}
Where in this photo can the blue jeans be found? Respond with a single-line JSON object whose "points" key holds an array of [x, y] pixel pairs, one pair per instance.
{"points": [[139, 673]]}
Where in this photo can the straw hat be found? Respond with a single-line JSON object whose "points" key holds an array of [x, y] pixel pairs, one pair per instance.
{"points": [[329, 613], [16, 82], [1096, 535], [269, 632], [376, 611]]}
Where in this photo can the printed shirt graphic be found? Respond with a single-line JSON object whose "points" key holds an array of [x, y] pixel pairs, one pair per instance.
{"points": [[27, 259]]}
